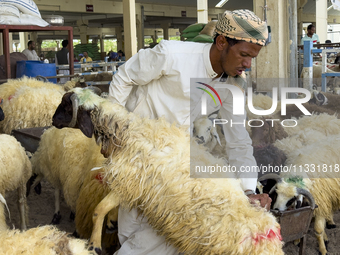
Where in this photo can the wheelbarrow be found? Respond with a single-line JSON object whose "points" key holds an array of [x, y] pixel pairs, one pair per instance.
{"points": [[295, 224], [29, 137]]}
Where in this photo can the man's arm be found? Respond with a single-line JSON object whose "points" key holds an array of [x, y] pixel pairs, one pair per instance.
{"points": [[142, 68], [240, 151]]}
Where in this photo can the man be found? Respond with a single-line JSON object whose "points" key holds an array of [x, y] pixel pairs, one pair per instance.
{"points": [[30, 53], [121, 55], [311, 35], [62, 58], [86, 56], [160, 86], [86, 59]]}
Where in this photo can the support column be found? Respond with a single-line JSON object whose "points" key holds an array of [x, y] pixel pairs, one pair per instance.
{"points": [[202, 11], [119, 34], [82, 25], [273, 58], [102, 44], [165, 27], [300, 5], [38, 46], [321, 20], [129, 19], [10, 42], [140, 26], [34, 37], [293, 59], [23, 37]]}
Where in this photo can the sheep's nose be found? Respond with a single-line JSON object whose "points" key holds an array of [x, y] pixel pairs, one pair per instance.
{"points": [[200, 139]]}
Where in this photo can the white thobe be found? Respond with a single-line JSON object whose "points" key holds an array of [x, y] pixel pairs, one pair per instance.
{"points": [[31, 54], [156, 82]]}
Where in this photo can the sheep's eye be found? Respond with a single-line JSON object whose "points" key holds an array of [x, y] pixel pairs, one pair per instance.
{"points": [[194, 130], [291, 201], [209, 128]]}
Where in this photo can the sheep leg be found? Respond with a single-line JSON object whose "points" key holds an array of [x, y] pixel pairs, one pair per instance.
{"points": [[107, 204], [319, 228], [56, 216], [112, 221], [22, 204], [330, 223], [37, 180], [3, 225]]}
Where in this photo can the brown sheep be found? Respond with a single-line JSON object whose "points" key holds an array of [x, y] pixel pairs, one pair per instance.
{"points": [[268, 133]]}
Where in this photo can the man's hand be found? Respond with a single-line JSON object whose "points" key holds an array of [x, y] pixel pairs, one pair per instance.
{"points": [[264, 199]]}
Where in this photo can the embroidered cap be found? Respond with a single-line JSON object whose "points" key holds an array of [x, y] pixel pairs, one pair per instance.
{"points": [[242, 25]]}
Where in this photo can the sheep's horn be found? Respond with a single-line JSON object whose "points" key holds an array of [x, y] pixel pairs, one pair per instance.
{"points": [[95, 90], [273, 189], [271, 176], [307, 194], [74, 100]]}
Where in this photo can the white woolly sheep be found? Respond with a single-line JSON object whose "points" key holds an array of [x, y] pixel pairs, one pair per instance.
{"points": [[41, 240], [316, 161], [211, 137], [15, 171], [198, 216], [91, 193], [65, 158], [30, 103]]}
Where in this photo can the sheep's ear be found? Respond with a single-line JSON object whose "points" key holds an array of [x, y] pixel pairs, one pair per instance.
{"points": [[213, 115], [84, 122], [214, 133]]}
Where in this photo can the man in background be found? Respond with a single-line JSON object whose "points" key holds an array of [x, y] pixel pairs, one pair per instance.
{"points": [[62, 58], [311, 35], [86, 59], [30, 53]]}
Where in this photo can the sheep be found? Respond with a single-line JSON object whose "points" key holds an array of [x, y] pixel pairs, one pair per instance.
{"points": [[266, 131], [272, 130], [40, 240], [15, 171], [329, 101], [91, 193], [322, 182], [195, 215], [65, 158], [209, 135], [30, 103]]}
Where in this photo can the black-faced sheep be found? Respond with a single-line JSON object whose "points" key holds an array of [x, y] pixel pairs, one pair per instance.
{"points": [[198, 216]]}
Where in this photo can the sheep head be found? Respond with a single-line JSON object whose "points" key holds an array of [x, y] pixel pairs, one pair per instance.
{"points": [[205, 133], [70, 114], [81, 108], [287, 194]]}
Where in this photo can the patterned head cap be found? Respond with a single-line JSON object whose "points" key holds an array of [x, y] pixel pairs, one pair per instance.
{"points": [[242, 25]]}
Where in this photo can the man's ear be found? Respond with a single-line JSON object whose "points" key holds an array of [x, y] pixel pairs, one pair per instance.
{"points": [[221, 42], [84, 122]]}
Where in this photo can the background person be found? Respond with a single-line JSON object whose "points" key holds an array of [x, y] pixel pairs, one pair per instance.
{"points": [[62, 58], [30, 53], [311, 35], [87, 60]]}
